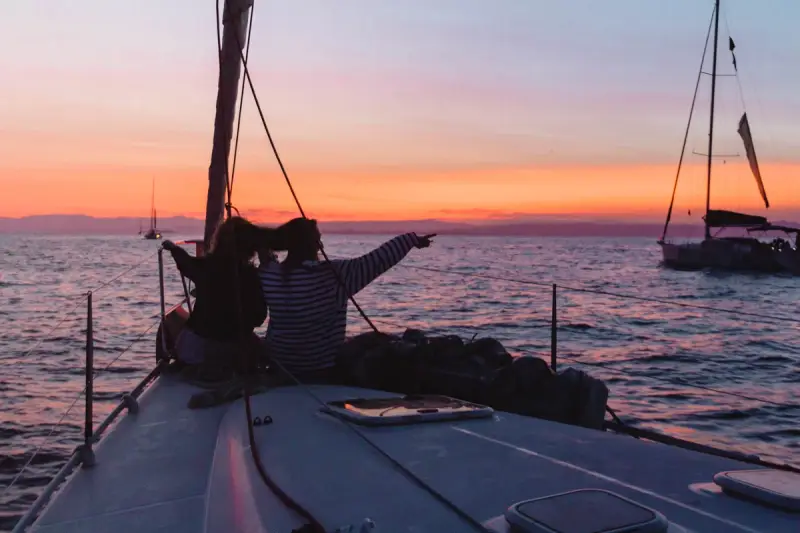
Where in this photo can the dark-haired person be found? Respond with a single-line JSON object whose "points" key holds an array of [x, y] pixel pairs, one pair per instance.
{"points": [[307, 298], [229, 302]]}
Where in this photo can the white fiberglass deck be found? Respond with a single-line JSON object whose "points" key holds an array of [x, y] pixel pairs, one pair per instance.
{"points": [[170, 468]]}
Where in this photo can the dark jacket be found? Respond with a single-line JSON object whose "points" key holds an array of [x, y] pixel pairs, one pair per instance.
{"points": [[221, 312]]}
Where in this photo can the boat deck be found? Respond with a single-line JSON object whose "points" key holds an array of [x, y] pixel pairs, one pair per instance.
{"points": [[169, 468]]}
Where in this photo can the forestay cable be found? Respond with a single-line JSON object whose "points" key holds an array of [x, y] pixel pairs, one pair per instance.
{"points": [[605, 293], [254, 449], [289, 181]]}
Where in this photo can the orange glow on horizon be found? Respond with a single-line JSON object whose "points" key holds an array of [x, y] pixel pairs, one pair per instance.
{"points": [[636, 192]]}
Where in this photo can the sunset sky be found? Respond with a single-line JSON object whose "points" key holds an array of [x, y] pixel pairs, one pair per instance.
{"points": [[398, 109]]}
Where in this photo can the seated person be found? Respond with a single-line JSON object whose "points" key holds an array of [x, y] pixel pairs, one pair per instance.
{"points": [[307, 299], [229, 302]]}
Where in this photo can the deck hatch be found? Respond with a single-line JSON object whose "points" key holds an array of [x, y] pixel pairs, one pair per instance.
{"points": [[584, 511], [776, 488], [411, 409]]}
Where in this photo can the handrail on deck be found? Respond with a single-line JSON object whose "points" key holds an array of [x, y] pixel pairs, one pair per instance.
{"points": [[83, 454], [662, 301], [78, 456]]}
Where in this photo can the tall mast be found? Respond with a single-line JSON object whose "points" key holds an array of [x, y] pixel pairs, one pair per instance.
{"points": [[153, 204], [234, 23], [711, 119]]}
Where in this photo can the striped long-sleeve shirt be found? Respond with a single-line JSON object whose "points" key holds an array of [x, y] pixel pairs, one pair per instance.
{"points": [[308, 304]]}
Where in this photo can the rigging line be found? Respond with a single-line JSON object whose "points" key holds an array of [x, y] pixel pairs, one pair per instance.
{"points": [[228, 182], [566, 329], [475, 524], [99, 373], [285, 498], [541, 323], [274, 487], [264, 121], [286, 175], [735, 68], [145, 257], [219, 37], [243, 356], [607, 293], [51, 330], [677, 381], [688, 126], [241, 104], [83, 391], [42, 444], [79, 298], [753, 86]]}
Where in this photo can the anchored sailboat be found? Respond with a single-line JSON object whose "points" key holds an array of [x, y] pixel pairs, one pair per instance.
{"points": [[153, 233], [733, 253]]}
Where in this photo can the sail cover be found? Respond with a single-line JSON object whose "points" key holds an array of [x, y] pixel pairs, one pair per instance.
{"points": [[718, 218], [744, 132]]}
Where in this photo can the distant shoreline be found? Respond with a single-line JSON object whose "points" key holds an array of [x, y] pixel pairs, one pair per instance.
{"points": [[87, 225]]}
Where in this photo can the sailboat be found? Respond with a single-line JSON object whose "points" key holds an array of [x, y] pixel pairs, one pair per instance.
{"points": [[153, 233], [327, 458], [729, 252]]}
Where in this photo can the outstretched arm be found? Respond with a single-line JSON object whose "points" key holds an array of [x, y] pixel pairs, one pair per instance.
{"points": [[360, 272]]}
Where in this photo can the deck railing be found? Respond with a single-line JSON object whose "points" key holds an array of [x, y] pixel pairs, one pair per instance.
{"points": [[84, 454]]}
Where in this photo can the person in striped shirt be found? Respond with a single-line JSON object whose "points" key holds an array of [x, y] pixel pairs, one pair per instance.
{"points": [[307, 299]]}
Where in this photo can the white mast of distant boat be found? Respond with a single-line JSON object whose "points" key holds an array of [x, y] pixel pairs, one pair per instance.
{"points": [[153, 206], [711, 119]]}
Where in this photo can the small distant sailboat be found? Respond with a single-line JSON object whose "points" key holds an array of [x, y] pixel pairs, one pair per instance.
{"points": [[152, 233], [729, 253]]}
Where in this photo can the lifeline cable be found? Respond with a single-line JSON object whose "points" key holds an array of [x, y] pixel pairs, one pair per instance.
{"points": [[751, 314]]}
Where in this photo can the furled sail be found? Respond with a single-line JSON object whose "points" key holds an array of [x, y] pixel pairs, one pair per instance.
{"points": [[744, 132], [719, 218]]}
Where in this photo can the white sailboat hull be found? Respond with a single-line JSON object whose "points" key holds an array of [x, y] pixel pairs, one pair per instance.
{"points": [[169, 468]]}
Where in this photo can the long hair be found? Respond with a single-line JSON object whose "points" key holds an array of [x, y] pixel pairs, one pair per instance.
{"points": [[238, 240], [300, 237]]}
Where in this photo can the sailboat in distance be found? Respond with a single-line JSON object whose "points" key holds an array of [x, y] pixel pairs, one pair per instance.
{"points": [[153, 233], [729, 253]]}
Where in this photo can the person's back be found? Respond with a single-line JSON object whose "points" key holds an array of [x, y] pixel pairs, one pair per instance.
{"points": [[307, 303], [229, 303]]}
